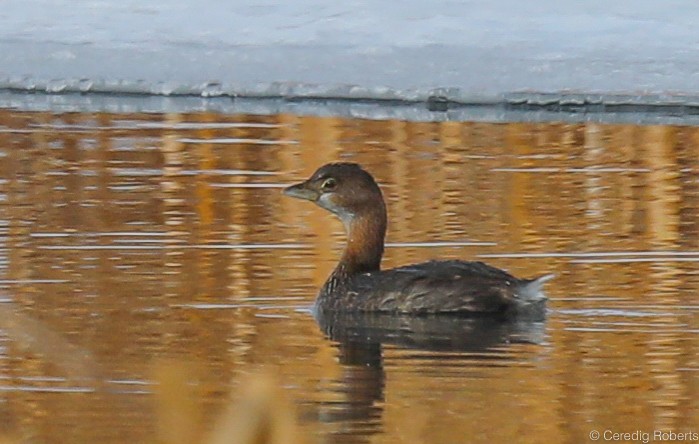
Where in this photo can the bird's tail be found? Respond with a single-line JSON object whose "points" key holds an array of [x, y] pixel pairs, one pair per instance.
{"points": [[532, 289]]}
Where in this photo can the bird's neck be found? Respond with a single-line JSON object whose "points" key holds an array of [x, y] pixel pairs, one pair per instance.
{"points": [[365, 244]]}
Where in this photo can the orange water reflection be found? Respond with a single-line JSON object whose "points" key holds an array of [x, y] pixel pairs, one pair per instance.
{"points": [[128, 239]]}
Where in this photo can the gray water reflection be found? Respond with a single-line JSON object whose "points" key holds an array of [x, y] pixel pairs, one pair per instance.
{"points": [[130, 238]]}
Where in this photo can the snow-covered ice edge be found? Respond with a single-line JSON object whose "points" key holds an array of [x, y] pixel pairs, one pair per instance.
{"points": [[429, 60], [522, 107]]}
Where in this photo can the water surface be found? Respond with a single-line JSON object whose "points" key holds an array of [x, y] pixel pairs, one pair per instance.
{"points": [[128, 239]]}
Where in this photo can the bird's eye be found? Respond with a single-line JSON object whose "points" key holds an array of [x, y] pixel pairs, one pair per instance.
{"points": [[329, 184]]}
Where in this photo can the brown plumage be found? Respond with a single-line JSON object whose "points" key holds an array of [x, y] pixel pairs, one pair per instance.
{"points": [[434, 287]]}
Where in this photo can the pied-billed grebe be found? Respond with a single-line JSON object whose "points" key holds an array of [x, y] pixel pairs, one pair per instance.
{"points": [[434, 287]]}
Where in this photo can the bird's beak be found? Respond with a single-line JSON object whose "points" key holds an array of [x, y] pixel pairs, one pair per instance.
{"points": [[301, 191]]}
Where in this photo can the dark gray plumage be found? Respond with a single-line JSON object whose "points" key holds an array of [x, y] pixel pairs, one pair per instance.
{"points": [[436, 287]]}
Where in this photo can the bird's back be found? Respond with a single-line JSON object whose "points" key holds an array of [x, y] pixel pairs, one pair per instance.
{"points": [[437, 287]]}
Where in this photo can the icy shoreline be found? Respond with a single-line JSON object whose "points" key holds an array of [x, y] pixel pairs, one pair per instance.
{"points": [[549, 54], [642, 110]]}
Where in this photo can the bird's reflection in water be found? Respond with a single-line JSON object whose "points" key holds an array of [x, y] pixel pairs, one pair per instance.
{"points": [[361, 336]]}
